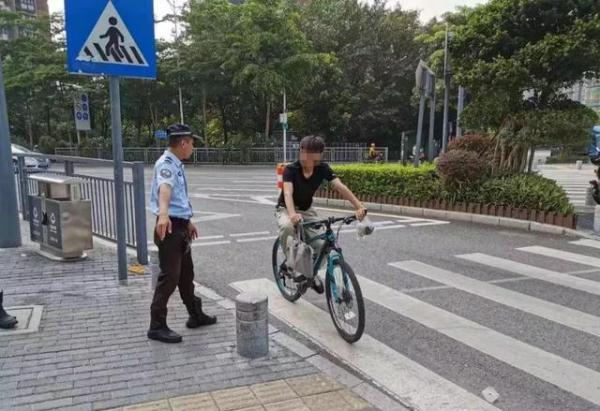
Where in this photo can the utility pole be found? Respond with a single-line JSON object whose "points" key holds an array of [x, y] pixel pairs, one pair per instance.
{"points": [[284, 125], [446, 93], [176, 29], [10, 235], [460, 108]]}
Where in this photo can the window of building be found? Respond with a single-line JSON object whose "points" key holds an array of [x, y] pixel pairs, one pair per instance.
{"points": [[25, 5]]}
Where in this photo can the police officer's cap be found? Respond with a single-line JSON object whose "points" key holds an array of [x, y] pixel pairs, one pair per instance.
{"points": [[176, 131]]}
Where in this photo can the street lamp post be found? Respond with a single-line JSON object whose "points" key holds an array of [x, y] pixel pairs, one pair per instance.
{"points": [[10, 235], [176, 29], [446, 93]]}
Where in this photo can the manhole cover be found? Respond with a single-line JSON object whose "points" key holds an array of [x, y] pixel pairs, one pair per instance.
{"points": [[29, 318]]}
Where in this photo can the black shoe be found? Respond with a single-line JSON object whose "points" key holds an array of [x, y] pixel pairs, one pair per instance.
{"points": [[165, 335], [317, 285], [6, 321], [197, 316]]}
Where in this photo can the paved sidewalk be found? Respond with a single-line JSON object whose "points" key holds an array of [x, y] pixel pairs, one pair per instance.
{"points": [[91, 350], [314, 392]]}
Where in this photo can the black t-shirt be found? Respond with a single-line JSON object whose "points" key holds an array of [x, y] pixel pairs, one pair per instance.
{"points": [[304, 189]]}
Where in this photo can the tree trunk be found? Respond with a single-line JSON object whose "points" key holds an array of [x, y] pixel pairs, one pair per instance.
{"points": [[531, 158], [224, 120], [268, 119]]}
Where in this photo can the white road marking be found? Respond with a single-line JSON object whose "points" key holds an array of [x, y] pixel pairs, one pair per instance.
{"points": [[565, 280], [422, 388], [250, 234], [211, 243], [587, 243], [562, 255], [568, 317], [252, 240], [428, 224], [565, 374]]}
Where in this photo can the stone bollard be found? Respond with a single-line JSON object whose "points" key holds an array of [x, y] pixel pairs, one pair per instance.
{"points": [[252, 325], [579, 164], [589, 199], [597, 219]]}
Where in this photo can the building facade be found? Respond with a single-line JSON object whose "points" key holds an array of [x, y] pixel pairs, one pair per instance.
{"points": [[31, 8], [587, 92]]}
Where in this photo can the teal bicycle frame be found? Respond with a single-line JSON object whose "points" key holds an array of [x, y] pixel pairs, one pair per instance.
{"points": [[333, 252]]}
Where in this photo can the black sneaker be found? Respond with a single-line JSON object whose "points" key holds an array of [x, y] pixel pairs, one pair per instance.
{"points": [[317, 285]]}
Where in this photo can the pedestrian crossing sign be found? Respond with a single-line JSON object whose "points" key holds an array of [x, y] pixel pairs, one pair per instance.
{"points": [[111, 37]]}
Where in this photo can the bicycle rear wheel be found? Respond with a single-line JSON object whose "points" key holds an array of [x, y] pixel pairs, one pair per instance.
{"points": [[345, 302], [290, 289]]}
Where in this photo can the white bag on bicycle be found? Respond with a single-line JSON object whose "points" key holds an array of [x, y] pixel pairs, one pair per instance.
{"points": [[299, 256]]}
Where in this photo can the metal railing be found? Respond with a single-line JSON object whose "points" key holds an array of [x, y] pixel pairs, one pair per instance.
{"points": [[219, 156], [100, 191]]}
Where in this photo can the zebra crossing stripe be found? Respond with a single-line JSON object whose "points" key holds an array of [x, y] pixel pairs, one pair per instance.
{"points": [[565, 280], [587, 243], [562, 255], [422, 388], [565, 374], [544, 309]]}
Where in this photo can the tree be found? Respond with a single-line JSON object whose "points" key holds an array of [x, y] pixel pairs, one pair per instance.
{"points": [[367, 96], [516, 57]]}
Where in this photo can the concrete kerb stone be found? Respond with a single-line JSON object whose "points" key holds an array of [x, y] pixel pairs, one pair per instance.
{"points": [[524, 225], [517, 224], [428, 212]]}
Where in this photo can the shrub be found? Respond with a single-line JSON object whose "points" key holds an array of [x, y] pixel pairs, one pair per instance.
{"points": [[520, 191], [393, 180], [458, 167], [525, 191], [481, 144]]}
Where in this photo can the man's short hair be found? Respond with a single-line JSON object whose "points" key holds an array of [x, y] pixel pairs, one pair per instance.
{"points": [[177, 132], [312, 144]]}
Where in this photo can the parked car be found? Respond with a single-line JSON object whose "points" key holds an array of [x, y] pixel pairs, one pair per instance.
{"points": [[31, 163]]}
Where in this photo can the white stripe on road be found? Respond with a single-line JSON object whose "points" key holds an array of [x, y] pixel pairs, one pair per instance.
{"points": [[565, 280], [252, 240], [550, 311], [587, 243], [211, 243], [565, 374], [431, 223], [562, 255], [401, 376], [249, 234]]}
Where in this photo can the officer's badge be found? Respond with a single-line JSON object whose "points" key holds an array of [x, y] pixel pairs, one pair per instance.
{"points": [[165, 173]]}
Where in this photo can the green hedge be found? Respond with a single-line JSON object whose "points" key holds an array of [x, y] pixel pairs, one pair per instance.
{"points": [[521, 191], [391, 180]]}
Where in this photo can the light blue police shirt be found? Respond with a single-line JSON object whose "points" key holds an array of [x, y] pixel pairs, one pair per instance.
{"points": [[169, 170]]}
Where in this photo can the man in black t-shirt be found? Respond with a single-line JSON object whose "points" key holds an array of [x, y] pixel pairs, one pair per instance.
{"points": [[301, 180]]}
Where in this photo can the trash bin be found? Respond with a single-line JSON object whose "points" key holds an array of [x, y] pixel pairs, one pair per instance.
{"points": [[60, 219]]}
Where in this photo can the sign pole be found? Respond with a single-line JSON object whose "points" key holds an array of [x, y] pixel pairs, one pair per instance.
{"points": [[10, 235], [285, 127], [115, 114]]}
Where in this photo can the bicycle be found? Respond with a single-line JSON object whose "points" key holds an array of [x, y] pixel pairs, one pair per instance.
{"points": [[341, 286]]}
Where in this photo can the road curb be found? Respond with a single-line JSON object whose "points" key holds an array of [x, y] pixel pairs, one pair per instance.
{"points": [[496, 221]]}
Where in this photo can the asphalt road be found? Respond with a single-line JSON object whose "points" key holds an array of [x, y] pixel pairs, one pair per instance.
{"points": [[452, 308]]}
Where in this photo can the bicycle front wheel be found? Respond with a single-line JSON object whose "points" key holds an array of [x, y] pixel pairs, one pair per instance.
{"points": [[290, 290], [345, 302]]}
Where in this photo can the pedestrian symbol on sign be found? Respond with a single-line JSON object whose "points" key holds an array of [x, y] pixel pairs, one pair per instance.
{"points": [[111, 42]]}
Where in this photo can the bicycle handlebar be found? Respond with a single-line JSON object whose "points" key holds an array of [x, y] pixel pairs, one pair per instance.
{"points": [[330, 221]]}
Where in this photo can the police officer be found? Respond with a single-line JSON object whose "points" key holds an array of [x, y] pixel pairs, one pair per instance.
{"points": [[173, 235]]}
